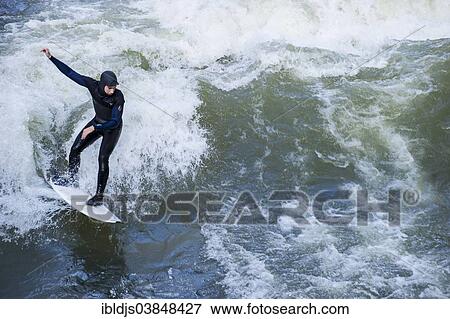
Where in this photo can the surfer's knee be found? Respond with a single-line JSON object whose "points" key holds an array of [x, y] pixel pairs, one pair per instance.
{"points": [[75, 150], [74, 156]]}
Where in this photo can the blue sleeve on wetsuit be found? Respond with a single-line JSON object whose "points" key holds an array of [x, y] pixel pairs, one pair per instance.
{"points": [[71, 74], [115, 120]]}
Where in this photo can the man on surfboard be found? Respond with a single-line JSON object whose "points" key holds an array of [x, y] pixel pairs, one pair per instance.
{"points": [[107, 123]]}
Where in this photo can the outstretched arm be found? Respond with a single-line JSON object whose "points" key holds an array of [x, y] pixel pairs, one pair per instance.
{"points": [[67, 71]]}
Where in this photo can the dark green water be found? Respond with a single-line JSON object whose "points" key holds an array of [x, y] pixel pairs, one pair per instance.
{"points": [[375, 126]]}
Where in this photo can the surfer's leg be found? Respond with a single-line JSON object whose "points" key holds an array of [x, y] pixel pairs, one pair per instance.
{"points": [[78, 146], [109, 142]]}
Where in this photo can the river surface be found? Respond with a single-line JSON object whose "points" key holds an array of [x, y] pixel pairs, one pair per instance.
{"points": [[366, 88]]}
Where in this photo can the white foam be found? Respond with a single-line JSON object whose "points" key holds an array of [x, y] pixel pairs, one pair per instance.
{"points": [[35, 90], [257, 33], [246, 275]]}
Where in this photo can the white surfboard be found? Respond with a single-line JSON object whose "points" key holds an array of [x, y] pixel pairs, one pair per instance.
{"points": [[77, 198]]}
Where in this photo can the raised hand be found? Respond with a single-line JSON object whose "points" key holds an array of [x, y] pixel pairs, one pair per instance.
{"points": [[47, 52]]}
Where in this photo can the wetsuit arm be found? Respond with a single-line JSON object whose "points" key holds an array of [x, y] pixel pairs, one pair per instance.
{"points": [[116, 118], [71, 74]]}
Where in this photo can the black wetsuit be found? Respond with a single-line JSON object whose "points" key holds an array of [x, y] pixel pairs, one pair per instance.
{"points": [[107, 122]]}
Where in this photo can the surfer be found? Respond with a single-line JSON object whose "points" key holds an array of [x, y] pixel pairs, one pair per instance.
{"points": [[107, 123]]}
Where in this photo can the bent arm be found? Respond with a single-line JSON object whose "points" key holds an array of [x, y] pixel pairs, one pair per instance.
{"points": [[116, 118], [71, 74]]}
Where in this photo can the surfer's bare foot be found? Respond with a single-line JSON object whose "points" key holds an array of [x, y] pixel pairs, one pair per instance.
{"points": [[95, 200]]}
